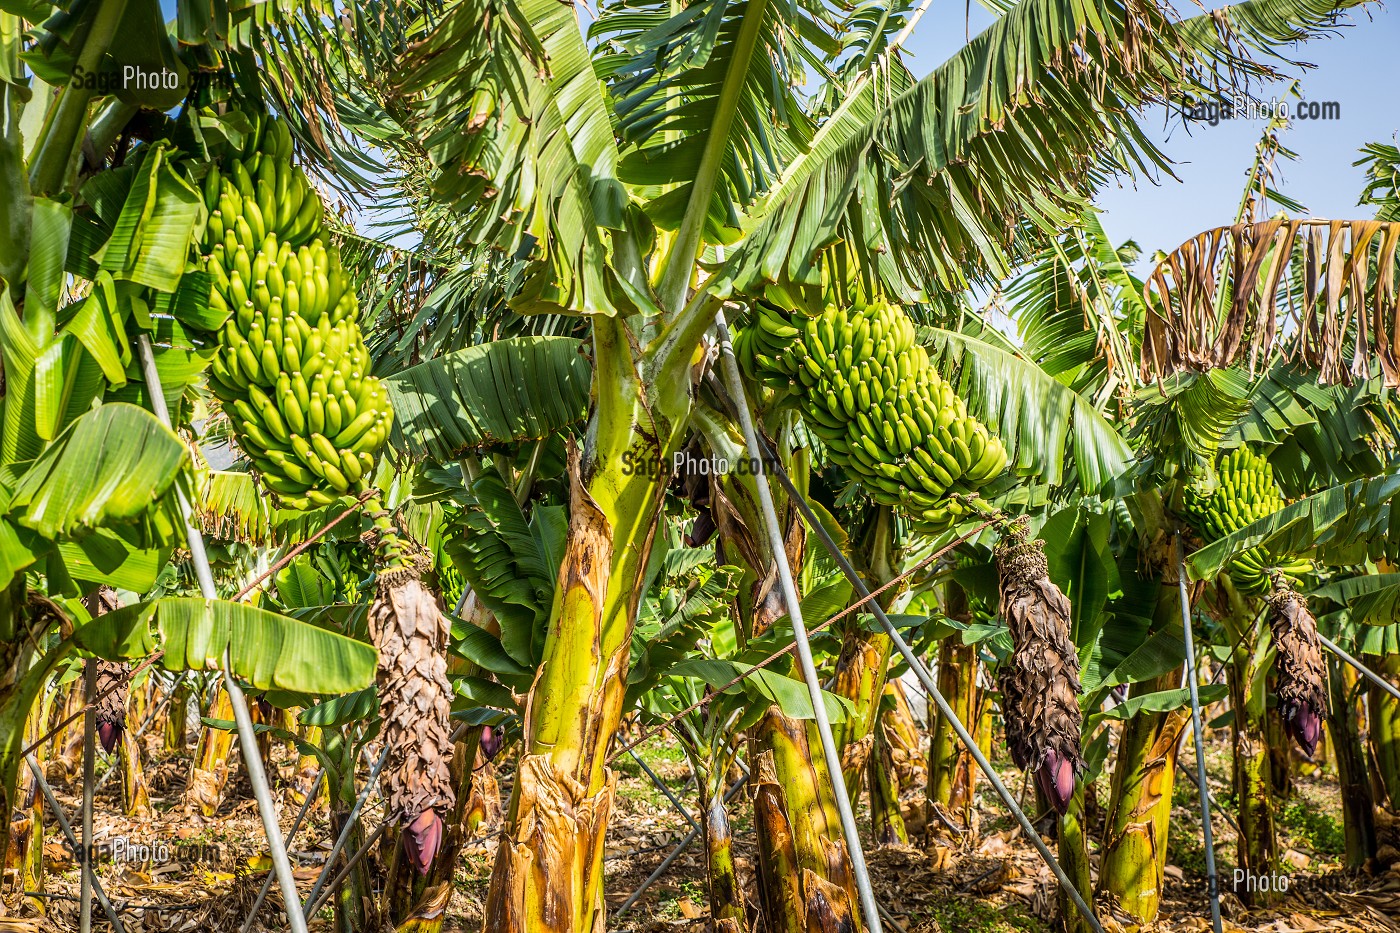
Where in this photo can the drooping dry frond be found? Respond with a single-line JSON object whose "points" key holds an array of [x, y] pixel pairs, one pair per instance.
{"points": [[1301, 673], [410, 632], [1217, 298], [1040, 681]]}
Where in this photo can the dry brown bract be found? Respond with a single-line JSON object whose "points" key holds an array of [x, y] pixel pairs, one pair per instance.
{"points": [[1040, 681], [1345, 277], [1301, 687], [410, 632]]}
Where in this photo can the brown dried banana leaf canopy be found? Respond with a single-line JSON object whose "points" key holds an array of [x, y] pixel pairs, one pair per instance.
{"points": [[1040, 681]]}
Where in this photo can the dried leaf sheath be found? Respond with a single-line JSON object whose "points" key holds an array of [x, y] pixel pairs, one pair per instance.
{"points": [[1348, 275], [1301, 671], [410, 632], [1040, 681]]}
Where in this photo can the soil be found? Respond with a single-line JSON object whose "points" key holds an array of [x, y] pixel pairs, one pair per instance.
{"points": [[991, 881]]}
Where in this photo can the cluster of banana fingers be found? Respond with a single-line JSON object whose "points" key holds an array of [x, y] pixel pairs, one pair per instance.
{"points": [[877, 403], [292, 371]]}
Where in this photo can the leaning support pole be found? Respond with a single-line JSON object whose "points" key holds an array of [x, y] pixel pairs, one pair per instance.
{"points": [[670, 795], [344, 836], [292, 834], [1361, 669], [799, 631], [247, 736], [921, 671], [63, 824], [675, 854], [1198, 734], [89, 774]]}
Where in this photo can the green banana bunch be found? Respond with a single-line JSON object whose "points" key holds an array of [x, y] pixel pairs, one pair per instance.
{"points": [[292, 370], [871, 394], [1246, 493]]}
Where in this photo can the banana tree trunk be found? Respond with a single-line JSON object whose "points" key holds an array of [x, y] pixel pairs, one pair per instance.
{"points": [[353, 897], [1384, 722], [1134, 852], [136, 795], [21, 684], [864, 660], [1074, 858], [952, 775], [210, 770], [726, 892], [29, 860], [905, 738], [1258, 854], [1343, 723], [13, 709], [66, 742], [885, 816], [860, 678], [176, 726], [308, 765], [805, 882], [548, 874]]}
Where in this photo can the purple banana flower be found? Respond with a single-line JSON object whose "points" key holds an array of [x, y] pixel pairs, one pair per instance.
{"points": [[421, 839], [1055, 778]]}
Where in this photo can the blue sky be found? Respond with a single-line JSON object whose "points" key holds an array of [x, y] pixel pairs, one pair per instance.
{"points": [[1360, 70]]}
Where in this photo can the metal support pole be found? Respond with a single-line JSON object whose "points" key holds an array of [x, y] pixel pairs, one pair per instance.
{"points": [[1362, 669], [89, 782], [345, 830], [292, 834], [832, 754], [1198, 734], [62, 820], [655, 779], [360, 853], [674, 854], [921, 671], [247, 736]]}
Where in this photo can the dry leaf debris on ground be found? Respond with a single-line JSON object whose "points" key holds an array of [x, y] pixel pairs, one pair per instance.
{"points": [[990, 881]]}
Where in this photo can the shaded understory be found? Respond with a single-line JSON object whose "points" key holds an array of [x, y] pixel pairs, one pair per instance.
{"points": [[988, 882]]}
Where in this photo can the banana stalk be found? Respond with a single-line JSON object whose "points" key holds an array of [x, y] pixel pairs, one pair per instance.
{"points": [[1134, 852], [410, 630], [1259, 854], [1301, 676], [886, 819], [952, 775], [548, 874], [209, 771], [1384, 728], [1040, 681], [1344, 725], [805, 882]]}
